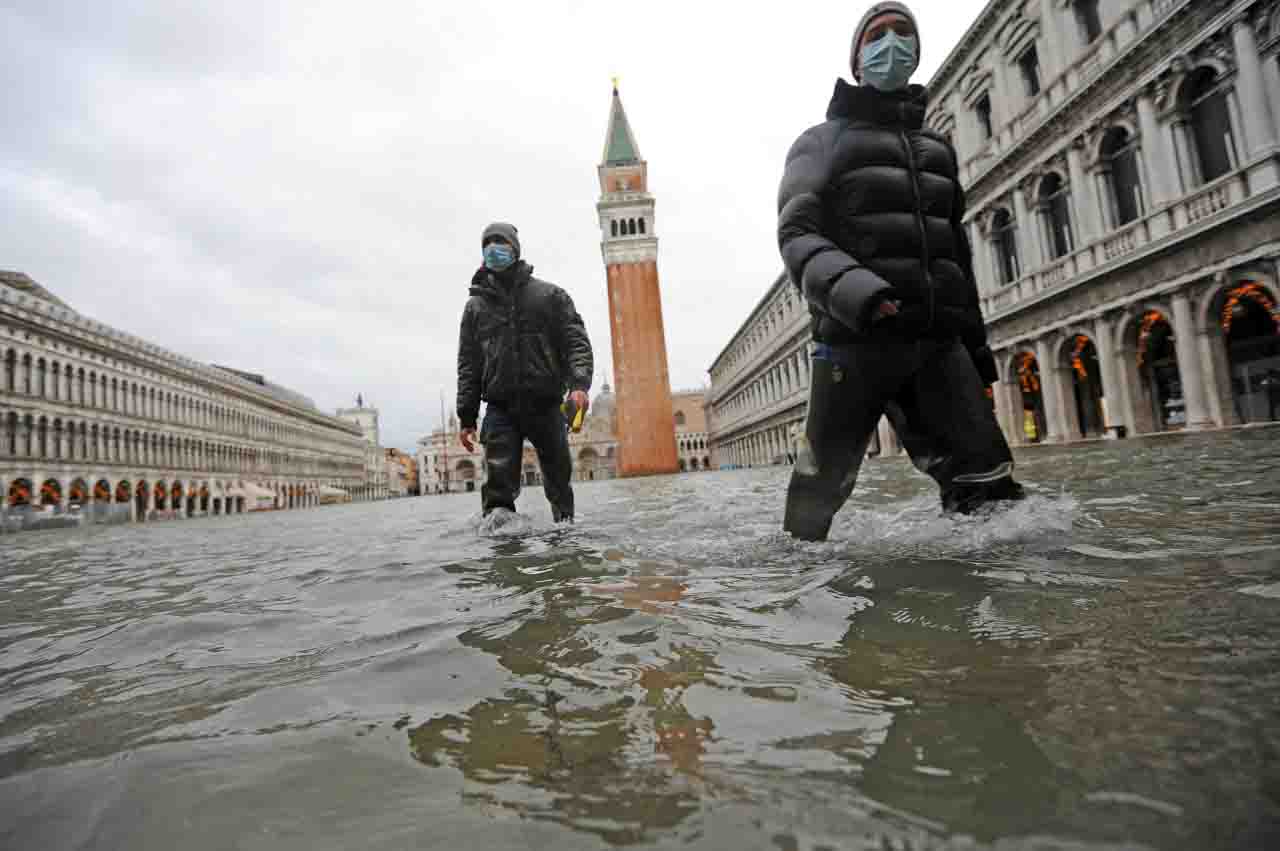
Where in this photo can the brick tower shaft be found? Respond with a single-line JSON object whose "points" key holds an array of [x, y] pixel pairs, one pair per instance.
{"points": [[629, 247]]}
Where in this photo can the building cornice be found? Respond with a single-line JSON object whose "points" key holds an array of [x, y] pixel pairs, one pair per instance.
{"points": [[954, 62]]}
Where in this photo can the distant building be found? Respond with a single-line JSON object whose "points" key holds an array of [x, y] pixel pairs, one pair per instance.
{"points": [[760, 382], [402, 473], [690, 420], [375, 468], [99, 425], [595, 448], [1122, 166], [444, 466]]}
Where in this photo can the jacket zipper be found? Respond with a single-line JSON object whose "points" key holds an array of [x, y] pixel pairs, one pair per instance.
{"points": [[924, 236]]}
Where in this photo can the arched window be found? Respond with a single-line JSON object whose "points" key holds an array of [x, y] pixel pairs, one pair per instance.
{"points": [[1119, 158], [642, 225], [1056, 215], [1207, 122], [631, 227], [613, 227], [679, 418], [1090, 21], [1004, 235]]}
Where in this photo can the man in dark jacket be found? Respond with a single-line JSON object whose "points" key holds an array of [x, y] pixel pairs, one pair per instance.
{"points": [[869, 224], [522, 345]]}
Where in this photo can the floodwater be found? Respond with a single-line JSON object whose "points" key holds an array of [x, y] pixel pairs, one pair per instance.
{"points": [[1097, 667]]}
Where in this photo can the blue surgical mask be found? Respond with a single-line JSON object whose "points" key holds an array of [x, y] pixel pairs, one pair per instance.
{"points": [[498, 256], [888, 62]]}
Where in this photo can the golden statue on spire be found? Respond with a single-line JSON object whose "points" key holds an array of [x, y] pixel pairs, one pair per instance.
{"points": [[615, 79]]}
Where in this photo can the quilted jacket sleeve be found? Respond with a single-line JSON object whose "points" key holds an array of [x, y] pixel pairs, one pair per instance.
{"points": [[832, 280], [575, 346], [470, 370]]}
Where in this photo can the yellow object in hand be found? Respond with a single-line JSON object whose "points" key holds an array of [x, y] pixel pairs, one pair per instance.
{"points": [[573, 415]]}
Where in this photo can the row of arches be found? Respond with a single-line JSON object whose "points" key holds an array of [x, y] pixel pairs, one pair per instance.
{"points": [[143, 498], [52, 438], [627, 227], [1148, 372], [1122, 171], [788, 376], [34, 375], [769, 444]]}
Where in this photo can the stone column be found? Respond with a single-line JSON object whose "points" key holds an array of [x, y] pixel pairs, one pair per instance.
{"points": [[1101, 195], [1112, 402], [1004, 409], [1218, 391], [1271, 84], [1190, 370], [1050, 392], [1051, 41], [1086, 205], [1257, 111], [1003, 108], [1255, 106], [1009, 402], [1028, 238], [1162, 168]]}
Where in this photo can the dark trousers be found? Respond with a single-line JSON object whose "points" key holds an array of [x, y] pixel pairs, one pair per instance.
{"points": [[936, 402], [503, 434]]}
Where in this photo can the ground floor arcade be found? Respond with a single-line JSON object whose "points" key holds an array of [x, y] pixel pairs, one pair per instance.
{"points": [[1198, 355], [142, 495]]}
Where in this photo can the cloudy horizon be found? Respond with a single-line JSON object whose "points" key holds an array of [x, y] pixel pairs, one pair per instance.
{"points": [[299, 192]]}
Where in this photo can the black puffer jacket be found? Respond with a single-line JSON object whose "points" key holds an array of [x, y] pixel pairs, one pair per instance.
{"points": [[870, 208], [521, 340]]}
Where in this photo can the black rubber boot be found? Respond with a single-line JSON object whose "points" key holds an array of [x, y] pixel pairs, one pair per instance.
{"points": [[970, 498]]}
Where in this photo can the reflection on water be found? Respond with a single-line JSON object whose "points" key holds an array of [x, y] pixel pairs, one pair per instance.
{"points": [[1095, 667]]}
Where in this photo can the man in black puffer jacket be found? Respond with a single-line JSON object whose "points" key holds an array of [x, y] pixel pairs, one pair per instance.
{"points": [[869, 224], [522, 345]]}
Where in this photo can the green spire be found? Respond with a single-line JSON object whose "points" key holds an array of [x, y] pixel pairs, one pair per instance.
{"points": [[620, 146]]}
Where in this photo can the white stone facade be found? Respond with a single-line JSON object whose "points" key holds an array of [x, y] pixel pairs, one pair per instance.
{"points": [[445, 467], [1122, 167], [1122, 170], [376, 483], [760, 382], [99, 423]]}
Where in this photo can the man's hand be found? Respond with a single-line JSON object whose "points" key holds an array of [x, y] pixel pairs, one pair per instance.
{"points": [[985, 363], [468, 439], [580, 399], [883, 309]]}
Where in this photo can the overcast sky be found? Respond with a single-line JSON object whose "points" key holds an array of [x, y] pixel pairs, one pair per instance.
{"points": [[298, 188]]}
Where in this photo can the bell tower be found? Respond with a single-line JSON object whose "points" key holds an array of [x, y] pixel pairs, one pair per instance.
{"points": [[629, 248]]}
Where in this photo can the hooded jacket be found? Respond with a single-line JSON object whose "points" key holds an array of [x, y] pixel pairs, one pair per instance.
{"points": [[521, 340], [870, 208]]}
